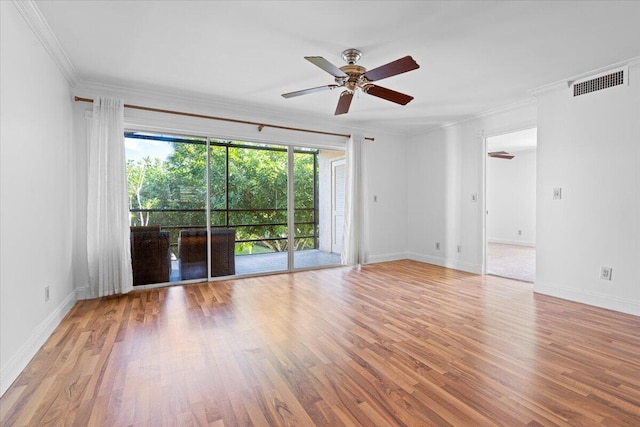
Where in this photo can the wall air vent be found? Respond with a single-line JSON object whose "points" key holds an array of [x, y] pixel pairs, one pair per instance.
{"points": [[598, 83]]}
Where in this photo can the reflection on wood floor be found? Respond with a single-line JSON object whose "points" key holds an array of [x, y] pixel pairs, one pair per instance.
{"points": [[390, 344]]}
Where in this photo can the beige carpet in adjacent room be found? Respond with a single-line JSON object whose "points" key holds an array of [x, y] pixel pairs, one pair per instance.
{"points": [[512, 261]]}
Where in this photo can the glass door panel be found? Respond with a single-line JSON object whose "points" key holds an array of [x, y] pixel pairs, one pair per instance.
{"points": [[167, 199], [314, 214], [257, 203]]}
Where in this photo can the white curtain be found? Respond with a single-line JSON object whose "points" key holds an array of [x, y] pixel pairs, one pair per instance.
{"points": [[108, 244], [353, 249]]}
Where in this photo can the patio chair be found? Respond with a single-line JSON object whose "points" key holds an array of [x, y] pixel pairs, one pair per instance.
{"points": [[192, 250], [150, 255]]}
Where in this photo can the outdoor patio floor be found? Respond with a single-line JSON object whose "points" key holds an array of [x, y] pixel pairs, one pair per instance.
{"points": [[272, 262]]}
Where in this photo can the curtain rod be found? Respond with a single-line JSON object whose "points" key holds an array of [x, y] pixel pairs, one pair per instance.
{"points": [[244, 122]]}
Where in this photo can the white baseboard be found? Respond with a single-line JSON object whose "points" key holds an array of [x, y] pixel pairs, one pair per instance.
{"points": [[449, 263], [16, 364], [591, 298], [512, 242], [83, 293], [386, 257]]}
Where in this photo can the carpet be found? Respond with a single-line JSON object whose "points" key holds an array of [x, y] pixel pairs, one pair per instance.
{"points": [[512, 261]]}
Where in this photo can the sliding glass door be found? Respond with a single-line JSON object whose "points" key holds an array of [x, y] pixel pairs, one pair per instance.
{"points": [[211, 208], [313, 199], [167, 183], [258, 206]]}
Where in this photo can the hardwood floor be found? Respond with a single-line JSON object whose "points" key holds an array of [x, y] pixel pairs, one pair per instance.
{"points": [[392, 344]]}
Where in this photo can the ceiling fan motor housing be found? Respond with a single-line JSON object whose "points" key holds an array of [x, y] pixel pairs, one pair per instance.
{"points": [[355, 77], [354, 72]]}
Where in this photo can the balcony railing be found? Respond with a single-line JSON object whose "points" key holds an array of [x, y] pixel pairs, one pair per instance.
{"points": [[154, 216]]}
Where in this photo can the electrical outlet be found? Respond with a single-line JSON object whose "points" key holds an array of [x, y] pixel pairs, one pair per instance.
{"points": [[375, 198], [459, 248], [46, 293], [519, 232], [474, 197], [605, 273], [437, 246]]}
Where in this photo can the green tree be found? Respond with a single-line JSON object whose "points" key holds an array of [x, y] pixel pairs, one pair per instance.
{"points": [[256, 196]]}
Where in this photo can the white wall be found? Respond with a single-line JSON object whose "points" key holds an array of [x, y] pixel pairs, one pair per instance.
{"points": [[385, 179], [511, 199], [590, 147], [445, 168], [37, 206]]}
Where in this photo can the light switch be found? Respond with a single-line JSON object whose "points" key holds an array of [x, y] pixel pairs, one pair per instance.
{"points": [[557, 193]]}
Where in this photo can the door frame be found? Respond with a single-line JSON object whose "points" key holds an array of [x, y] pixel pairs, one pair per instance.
{"points": [[334, 164]]}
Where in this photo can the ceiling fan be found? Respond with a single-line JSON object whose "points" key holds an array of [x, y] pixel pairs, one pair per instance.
{"points": [[353, 77], [501, 155]]}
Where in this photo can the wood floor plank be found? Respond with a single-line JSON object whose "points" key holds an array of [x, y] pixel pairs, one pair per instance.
{"points": [[392, 344]]}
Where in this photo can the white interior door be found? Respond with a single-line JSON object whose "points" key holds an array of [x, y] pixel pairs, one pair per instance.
{"points": [[337, 202]]}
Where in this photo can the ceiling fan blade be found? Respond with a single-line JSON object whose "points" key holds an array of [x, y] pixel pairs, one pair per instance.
{"points": [[344, 102], [327, 66], [399, 66], [388, 94], [501, 155], [306, 91]]}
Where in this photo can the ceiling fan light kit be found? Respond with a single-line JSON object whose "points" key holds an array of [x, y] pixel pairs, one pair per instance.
{"points": [[353, 77]]}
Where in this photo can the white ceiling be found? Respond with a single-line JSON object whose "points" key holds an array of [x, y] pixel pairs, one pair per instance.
{"points": [[513, 142], [474, 56]]}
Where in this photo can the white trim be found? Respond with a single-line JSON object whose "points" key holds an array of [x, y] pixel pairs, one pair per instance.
{"points": [[83, 293], [38, 24], [334, 164], [512, 242], [397, 256], [19, 361], [502, 109], [291, 209], [448, 263], [591, 298]]}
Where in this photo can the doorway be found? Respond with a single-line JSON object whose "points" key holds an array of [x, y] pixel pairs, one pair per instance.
{"points": [[510, 189]]}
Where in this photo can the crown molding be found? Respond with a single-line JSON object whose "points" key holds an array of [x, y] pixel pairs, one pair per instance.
{"points": [[631, 63], [505, 108], [38, 24], [487, 113], [634, 63]]}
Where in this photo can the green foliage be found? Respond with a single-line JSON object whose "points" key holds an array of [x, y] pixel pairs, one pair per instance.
{"points": [[174, 192]]}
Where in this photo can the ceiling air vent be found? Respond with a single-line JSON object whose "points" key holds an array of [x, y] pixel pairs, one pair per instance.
{"points": [[598, 83]]}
